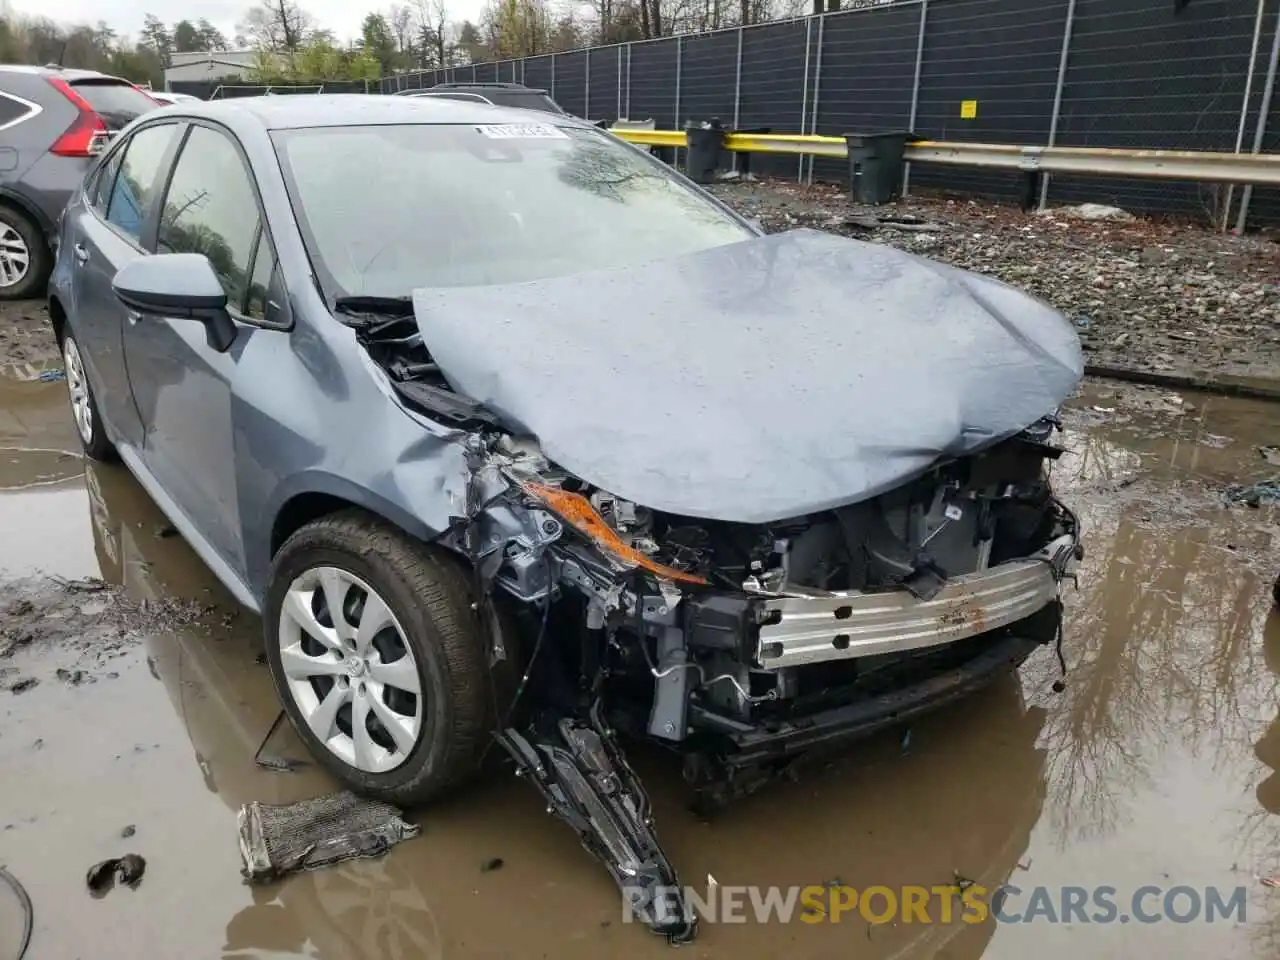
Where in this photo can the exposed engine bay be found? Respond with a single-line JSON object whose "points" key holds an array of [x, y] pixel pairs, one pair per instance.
{"points": [[742, 646]]}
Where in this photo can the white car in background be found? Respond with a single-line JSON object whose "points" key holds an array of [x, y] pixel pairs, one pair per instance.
{"points": [[165, 97]]}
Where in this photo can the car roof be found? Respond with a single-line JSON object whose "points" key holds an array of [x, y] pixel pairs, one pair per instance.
{"points": [[67, 73], [297, 111]]}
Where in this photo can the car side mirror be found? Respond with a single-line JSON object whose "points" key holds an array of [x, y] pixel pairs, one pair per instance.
{"points": [[178, 285]]}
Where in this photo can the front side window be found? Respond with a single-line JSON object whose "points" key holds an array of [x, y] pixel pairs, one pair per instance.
{"points": [[134, 189], [473, 205], [211, 208]]}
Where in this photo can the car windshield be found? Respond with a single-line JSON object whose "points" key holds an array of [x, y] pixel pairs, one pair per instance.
{"points": [[387, 209]]}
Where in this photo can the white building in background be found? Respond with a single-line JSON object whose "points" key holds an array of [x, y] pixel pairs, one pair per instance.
{"points": [[228, 66]]}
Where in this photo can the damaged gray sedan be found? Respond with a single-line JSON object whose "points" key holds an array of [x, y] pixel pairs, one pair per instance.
{"points": [[514, 436]]}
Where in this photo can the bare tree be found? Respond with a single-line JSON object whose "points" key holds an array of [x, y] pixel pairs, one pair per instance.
{"points": [[433, 29], [280, 26], [400, 22]]}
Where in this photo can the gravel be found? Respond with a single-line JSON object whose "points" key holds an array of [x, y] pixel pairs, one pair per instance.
{"points": [[1147, 296]]}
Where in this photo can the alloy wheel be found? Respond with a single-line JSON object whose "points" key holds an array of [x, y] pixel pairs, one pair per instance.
{"points": [[78, 387], [350, 669], [15, 258]]}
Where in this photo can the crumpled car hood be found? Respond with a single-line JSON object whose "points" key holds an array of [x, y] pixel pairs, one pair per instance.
{"points": [[758, 381]]}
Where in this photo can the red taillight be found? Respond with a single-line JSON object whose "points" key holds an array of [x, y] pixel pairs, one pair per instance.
{"points": [[88, 135]]}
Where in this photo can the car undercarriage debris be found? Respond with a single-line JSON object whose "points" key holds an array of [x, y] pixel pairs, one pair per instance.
{"points": [[276, 840], [587, 783]]}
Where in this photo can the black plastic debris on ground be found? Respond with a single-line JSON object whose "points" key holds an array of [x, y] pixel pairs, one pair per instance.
{"points": [[277, 840], [103, 876]]}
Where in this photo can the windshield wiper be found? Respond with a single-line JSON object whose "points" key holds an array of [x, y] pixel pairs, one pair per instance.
{"points": [[364, 310]]}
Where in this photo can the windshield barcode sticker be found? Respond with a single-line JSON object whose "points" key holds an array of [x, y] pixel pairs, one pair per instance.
{"points": [[521, 131]]}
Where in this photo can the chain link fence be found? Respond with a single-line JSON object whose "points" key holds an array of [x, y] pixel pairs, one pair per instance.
{"points": [[1095, 73]]}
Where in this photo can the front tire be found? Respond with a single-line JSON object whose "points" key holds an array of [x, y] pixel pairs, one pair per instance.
{"points": [[84, 406], [393, 694]]}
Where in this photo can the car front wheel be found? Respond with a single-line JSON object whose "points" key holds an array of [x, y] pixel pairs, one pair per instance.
{"points": [[84, 406], [378, 658]]}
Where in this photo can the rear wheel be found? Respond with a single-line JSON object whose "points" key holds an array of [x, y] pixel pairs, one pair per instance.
{"points": [[378, 658], [84, 407], [25, 257]]}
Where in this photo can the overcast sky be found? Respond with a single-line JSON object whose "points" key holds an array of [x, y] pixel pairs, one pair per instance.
{"points": [[343, 17]]}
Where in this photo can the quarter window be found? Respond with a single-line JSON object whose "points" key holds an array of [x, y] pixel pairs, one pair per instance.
{"points": [[264, 263], [134, 191], [11, 111], [211, 209]]}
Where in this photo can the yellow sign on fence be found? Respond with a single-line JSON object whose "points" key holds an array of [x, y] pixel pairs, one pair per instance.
{"points": [[968, 109]]}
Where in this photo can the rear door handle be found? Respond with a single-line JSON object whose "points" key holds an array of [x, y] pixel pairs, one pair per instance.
{"points": [[133, 316], [82, 255]]}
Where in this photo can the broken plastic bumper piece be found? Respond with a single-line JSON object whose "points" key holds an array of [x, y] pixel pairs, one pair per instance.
{"points": [[586, 781]]}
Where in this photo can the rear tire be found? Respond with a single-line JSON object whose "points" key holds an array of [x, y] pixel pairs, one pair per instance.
{"points": [[434, 737], [25, 257]]}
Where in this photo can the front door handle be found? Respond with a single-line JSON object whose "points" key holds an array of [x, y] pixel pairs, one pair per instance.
{"points": [[82, 255], [133, 316]]}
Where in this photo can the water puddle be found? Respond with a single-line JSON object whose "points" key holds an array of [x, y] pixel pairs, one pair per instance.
{"points": [[1158, 764]]}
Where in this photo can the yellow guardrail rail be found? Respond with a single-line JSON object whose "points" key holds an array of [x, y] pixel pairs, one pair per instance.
{"points": [[1193, 165]]}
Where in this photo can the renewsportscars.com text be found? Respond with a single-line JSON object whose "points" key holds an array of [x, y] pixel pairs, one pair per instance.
{"points": [[945, 904]]}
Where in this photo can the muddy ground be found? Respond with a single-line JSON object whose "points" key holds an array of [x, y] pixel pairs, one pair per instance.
{"points": [[134, 702], [1144, 295]]}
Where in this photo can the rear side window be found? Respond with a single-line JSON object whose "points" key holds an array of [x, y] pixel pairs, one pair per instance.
{"points": [[99, 190], [115, 101], [134, 190], [211, 208], [13, 111]]}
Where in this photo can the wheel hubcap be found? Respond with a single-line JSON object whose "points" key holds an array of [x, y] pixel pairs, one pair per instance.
{"points": [[350, 670], [78, 387], [15, 258]]}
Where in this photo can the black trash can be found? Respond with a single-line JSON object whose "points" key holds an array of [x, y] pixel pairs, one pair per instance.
{"points": [[875, 165], [706, 144]]}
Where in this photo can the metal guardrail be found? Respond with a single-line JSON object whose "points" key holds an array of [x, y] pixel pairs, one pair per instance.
{"points": [[1192, 165]]}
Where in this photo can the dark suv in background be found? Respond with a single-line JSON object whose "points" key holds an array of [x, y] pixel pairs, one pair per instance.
{"points": [[53, 122]]}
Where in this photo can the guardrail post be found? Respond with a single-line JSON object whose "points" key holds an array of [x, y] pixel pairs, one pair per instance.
{"points": [[1264, 109], [1057, 94], [586, 96], [553, 76], [804, 95], [617, 110], [915, 90], [817, 86]]}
